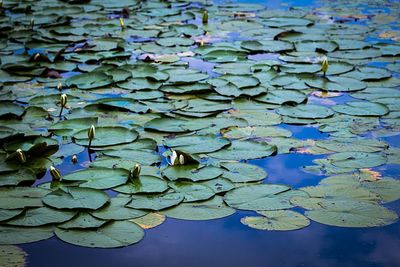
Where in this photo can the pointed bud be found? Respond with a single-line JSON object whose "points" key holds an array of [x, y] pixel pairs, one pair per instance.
{"points": [[173, 158], [325, 64], [55, 173], [91, 132], [205, 17], [21, 155], [37, 55], [202, 43], [63, 100], [135, 172], [181, 159], [122, 23], [32, 24], [59, 86], [74, 159]]}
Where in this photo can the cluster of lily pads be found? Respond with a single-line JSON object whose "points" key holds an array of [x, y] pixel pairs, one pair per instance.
{"points": [[121, 80]]}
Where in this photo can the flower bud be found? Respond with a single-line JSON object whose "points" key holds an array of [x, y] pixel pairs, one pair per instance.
{"points": [[135, 171], [21, 155], [59, 86], [63, 100], [122, 23], [181, 159], [55, 173], [74, 159], [205, 17], [31, 23], [324, 67], [91, 132]]}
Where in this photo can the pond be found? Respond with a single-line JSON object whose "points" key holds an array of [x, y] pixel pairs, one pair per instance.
{"points": [[200, 133]]}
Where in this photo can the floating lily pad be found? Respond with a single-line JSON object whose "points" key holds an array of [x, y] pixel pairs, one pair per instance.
{"points": [[76, 198], [111, 235], [279, 220], [239, 172], [239, 150], [107, 136], [21, 235], [116, 210], [358, 214], [149, 220], [204, 210], [41, 216], [192, 172], [21, 197], [99, 178], [155, 202], [143, 184]]}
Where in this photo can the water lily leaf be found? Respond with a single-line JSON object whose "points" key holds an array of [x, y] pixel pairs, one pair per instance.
{"points": [[149, 220], [41, 216], [195, 144], [89, 80], [143, 184], [16, 177], [386, 188], [280, 97], [111, 235], [219, 185], [21, 197], [192, 191], [279, 220], [9, 109], [192, 172], [239, 150], [256, 132], [357, 159], [116, 210], [81, 221], [358, 214], [239, 172], [155, 202], [107, 136], [261, 197], [8, 214], [12, 256], [145, 157], [361, 108], [76, 198], [267, 46], [204, 210], [99, 178], [337, 84], [21, 235], [308, 111]]}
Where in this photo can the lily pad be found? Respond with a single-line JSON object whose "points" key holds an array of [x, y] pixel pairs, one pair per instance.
{"points": [[111, 235], [279, 220]]}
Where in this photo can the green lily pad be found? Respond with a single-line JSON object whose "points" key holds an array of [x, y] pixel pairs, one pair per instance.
{"points": [[195, 144], [107, 136], [89, 80], [192, 172], [21, 235], [82, 221], [361, 108], [111, 235], [204, 210], [21, 197], [76, 198], [239, 172], [12, 256], [261, 197], [143, 184], [116, 210], [278, 220], [192, 191], [155, 202], [358, 214], [41, 216], [239, 150], [99, 178]]}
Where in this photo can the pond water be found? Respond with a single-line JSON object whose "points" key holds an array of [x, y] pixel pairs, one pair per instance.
{"points": [[226, 241]]}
